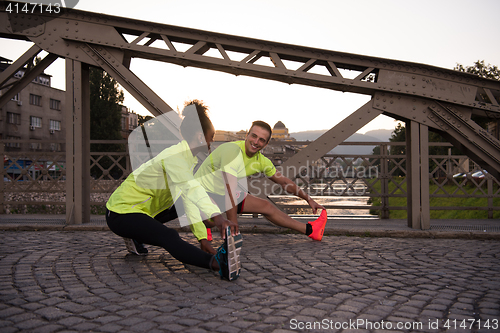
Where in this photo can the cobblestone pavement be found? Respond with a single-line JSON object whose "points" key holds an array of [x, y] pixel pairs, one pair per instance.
{"points": [[61, 281]]}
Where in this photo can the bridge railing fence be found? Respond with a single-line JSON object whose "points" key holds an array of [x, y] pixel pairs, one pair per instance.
{"points": [[373, 180]]}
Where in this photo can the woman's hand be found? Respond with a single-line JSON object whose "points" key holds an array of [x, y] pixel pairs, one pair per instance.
{"points": [[221, 223], [206, 246]]}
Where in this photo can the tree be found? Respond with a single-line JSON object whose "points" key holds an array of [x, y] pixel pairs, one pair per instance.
{"points": [[105, 119], [480, 69], [143, 119], [105, 106]]}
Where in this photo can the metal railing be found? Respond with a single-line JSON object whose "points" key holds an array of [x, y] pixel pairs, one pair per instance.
{"points": [[33, 180]]}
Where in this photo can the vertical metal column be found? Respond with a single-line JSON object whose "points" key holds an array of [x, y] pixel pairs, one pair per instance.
{"points": [[424, 177], [78, 143], [412, 175], [2, 184], [417, 166], [384, 179]]}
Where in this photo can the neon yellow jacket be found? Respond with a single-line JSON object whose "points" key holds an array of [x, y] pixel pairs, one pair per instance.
{"points": [[231, 158], [156, 184]]}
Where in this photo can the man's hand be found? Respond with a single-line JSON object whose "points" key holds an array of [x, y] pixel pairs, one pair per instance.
{"points": [[221, 223], [206, 246], [314, 205]]}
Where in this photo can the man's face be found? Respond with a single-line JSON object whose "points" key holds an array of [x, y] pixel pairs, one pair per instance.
{"points": [[257, 138]]}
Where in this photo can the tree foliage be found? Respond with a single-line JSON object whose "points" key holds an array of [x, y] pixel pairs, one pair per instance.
{"points": [[105, 106], [481, 69], [105, 120], [143, 119]]}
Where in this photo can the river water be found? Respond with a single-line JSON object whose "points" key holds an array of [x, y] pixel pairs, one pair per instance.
{"points": [[327, 200]]}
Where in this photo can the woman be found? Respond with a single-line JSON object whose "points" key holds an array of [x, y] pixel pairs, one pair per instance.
{"points": [[138, 208]]}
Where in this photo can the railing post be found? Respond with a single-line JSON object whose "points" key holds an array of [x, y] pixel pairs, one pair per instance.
{"points": [[489, 183], [413, 174], [2, 185], [384, 171], [78, 143]]}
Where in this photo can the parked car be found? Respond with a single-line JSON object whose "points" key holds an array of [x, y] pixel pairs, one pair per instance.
{"points": [[479, 174], [460, 175], [474, 175]]}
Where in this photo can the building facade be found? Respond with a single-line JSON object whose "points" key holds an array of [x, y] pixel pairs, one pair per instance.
{"points": [[130, 120], [35, 114], [280, 132]]}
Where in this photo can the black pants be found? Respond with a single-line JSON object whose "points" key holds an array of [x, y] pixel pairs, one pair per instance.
{"points": [[152, 231]]}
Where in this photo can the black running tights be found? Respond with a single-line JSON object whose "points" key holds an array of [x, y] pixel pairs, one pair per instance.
{"points": [[147, 230]]}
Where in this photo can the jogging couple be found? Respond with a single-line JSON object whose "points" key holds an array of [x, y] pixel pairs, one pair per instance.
{"points": [[166, 187]]}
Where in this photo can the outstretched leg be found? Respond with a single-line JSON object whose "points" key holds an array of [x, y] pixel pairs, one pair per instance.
{"points": [[313, 229], [272, 213]]}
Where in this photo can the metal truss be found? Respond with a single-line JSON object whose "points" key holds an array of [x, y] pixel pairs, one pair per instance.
{"points": [[416, 93]]}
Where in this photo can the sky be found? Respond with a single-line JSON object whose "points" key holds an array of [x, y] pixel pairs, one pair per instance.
{"points": [[440, 33]]}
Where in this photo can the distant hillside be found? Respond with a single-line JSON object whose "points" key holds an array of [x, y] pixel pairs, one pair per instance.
{"points": [[370, 136], [381, 135]]}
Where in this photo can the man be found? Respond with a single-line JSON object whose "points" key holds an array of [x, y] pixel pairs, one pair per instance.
{"points": [[219, 175]]}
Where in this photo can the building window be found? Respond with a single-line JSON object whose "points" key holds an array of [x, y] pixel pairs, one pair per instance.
{"points": [[35, 100], [36, 121], [16, 98], [55, 147], [13, 118], [13, 144], [55, 125], [124, 123], [42, 80], [55, 104], [35, 146]]}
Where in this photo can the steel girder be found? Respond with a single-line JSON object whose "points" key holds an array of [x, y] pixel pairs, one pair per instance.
{"points": [[65, 34], [415, 93]]}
